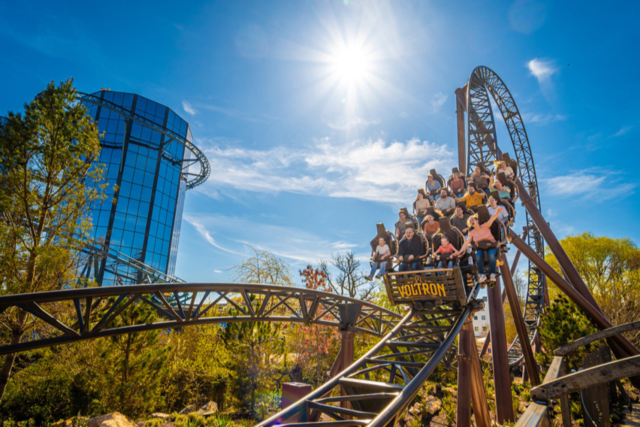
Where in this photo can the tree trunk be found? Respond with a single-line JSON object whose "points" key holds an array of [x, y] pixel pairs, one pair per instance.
{"points": [[7, 366]]}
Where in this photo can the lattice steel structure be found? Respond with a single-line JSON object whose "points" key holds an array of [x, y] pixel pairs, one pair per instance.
{"points": [[184, 304], [483, 151]]}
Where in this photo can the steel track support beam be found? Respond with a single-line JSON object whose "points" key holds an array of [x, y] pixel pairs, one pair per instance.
{"points": [[478, 397], [487, 340], [463, 410], [622, 347], [499, 356], [619, 344], [530, 363], [564, 262], [346, 352], [461, 105]]}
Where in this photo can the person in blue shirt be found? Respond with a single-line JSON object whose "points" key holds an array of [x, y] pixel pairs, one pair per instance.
{"points": [[433, 187]]}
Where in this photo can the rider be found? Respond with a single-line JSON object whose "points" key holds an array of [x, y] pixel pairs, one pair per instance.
{"points": [[382, 256], [433, 186], [410, 250], [485, 242], [446, 249], [473, 198], [421, 205], [445, 204]]}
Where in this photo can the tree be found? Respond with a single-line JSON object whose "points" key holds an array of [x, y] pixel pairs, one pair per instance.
{"points": [[349, 281], [611, 270], [48, 183], [263, 267], [136, 363]]}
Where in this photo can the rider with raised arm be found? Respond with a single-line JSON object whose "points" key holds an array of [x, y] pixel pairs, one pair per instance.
{"points": [[485, 242]]}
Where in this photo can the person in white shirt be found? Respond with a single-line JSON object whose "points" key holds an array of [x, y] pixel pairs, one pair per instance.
{"points": [[383, 253], [508, 172], [492, 207]]}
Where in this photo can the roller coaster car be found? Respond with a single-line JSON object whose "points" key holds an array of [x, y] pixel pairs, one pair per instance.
{"points": [[410, 220], [506, 205], [436, 177], [511, 185], [426, 196], [513, 164], [462, 177], [389, 240], [436, 217], [498, 230]]}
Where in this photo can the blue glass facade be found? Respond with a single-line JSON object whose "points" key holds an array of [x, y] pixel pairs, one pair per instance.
{"points": [[144, 167]]}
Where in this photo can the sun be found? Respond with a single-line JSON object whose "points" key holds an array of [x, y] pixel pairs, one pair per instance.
{"points": [[351, 63]]}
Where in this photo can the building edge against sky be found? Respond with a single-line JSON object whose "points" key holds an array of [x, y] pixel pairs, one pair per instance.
{"points": [[150, 162]]}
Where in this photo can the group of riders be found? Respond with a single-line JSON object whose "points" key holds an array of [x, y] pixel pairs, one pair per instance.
{"points": [[454, 222]]}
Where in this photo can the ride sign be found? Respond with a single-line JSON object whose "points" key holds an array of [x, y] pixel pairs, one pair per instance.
{"points": [[435, 285]]}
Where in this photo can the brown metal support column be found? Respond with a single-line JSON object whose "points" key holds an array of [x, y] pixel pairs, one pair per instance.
{"points": [[478, 396], [619, 344], [487, 340], [564, 262], [499, 357], [521, 328], [347, 359], [463, 410], [461, 105]]}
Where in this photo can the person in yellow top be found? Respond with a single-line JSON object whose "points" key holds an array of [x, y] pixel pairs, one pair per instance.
{"points": [[473, 198]]}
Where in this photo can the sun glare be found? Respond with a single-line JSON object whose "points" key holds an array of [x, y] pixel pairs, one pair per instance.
{"points": [[351, 63]]}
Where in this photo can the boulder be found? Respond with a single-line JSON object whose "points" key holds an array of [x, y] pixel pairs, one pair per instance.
{"points": [[114, 419], [189, 409], [208, 409]]}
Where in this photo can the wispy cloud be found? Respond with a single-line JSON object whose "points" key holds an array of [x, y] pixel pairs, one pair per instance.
{"points": [[352, 123], [622, 132], [542, 119], [438, 100], [373, 170], [542, 69], [186, 106], [595, 184], [295, 244], [217, 271]]}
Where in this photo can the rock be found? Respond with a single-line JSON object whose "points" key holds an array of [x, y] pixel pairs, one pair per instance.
{"points": [[114, 419], [189, 409], [208, 409], [522, 407], [160, 415]]}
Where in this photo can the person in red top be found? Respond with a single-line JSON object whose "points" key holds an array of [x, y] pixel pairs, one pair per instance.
{"points": [[482, 233], [445, 248]]}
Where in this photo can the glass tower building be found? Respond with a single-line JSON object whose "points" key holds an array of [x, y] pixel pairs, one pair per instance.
{"points": [[150, 162]]}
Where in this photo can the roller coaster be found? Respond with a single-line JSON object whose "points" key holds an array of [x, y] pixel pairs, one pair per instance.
{"points": [[435, 329]]}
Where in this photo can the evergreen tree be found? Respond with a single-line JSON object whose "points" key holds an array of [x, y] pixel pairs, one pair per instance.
{"points": [[48, 183]]}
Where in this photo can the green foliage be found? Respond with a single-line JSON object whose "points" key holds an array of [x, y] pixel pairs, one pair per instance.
{"points": [[449, 408], [611, 270], [137, 364], [564, 323], [48, 184], [253, 344]]}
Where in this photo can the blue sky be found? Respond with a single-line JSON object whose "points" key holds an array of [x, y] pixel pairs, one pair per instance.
{"points": [[321, 119]]}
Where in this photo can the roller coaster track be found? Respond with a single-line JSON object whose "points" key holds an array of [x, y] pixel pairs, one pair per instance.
{"points": [[97, 311], [483, 150]]}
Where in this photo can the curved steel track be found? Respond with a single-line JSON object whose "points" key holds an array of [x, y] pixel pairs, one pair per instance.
{"points": [[483, 150], [97, 310]]}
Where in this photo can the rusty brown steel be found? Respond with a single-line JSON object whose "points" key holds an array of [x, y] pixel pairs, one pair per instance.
{"points": [[463, 411], [564, 262], [461, 105], [478, 395], [619, 344], [521, 328], [499, 357]]}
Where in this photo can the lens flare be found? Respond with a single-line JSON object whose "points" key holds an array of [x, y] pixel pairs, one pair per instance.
{"points": [[351, 63]]}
